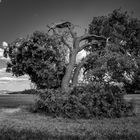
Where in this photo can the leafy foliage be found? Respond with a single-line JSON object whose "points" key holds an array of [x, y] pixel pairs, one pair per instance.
{"points": [[118, 26], [119, 56], [40, 56], [97, 100]]}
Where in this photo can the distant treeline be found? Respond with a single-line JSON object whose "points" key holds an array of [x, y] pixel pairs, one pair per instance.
{"points": [[29, 91]]}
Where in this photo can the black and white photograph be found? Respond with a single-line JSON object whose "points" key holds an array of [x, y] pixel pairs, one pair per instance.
{"points": [[69, 70]]}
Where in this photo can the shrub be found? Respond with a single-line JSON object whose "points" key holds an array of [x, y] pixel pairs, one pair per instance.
{"points": [[98, 100]]}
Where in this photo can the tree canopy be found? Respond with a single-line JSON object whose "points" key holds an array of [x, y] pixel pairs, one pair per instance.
{"points": [[118, 58], [40, 56], [112, 45]]}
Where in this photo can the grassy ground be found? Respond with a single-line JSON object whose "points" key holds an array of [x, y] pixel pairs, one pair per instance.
{"points": [[24, 125], [15, 100]]}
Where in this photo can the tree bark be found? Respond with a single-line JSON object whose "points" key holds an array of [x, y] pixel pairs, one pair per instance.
{"points": [[69, 70], [76, 73], [69, 75]]}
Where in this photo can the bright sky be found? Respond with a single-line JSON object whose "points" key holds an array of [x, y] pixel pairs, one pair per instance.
{"points": [[18, 18], [8, 82]]}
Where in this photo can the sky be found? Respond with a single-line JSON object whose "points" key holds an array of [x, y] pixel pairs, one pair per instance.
{"points": [[19, 18]]}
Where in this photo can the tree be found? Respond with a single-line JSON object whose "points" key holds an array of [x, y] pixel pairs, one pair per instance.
{"points": [[43, 57], [118, 59], [50, 59]]}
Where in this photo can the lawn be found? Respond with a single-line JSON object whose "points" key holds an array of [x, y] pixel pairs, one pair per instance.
{"points": [[15, 100], [24, 125]]}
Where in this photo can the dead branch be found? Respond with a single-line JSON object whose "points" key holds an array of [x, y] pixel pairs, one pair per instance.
{"points": [[91, 37], [94, 42], [65, 43]]}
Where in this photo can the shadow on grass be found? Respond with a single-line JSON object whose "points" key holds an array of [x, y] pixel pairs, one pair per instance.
{"points": [[11, 134]]}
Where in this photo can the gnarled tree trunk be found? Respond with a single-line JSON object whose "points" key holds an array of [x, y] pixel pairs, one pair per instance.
{"points": [[68, 75], [70, 78]]}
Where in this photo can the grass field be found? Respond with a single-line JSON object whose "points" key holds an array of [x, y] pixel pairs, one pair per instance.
{"points": [[16, 100], [24, 125]]}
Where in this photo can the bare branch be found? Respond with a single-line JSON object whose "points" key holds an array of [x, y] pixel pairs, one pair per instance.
{"points": [[61, 25], [65, 43], [64, 24], [73, 34], [94, 42], [51, 28], [92, 36]]}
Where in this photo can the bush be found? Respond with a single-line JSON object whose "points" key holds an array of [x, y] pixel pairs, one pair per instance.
{"points": [[88, 101]]}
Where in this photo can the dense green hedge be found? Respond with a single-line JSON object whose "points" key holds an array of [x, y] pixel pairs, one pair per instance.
{"points": [[98, 100]]}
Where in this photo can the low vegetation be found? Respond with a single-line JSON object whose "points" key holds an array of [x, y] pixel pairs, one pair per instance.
{"points": [[25, 125], [95, 100]]}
